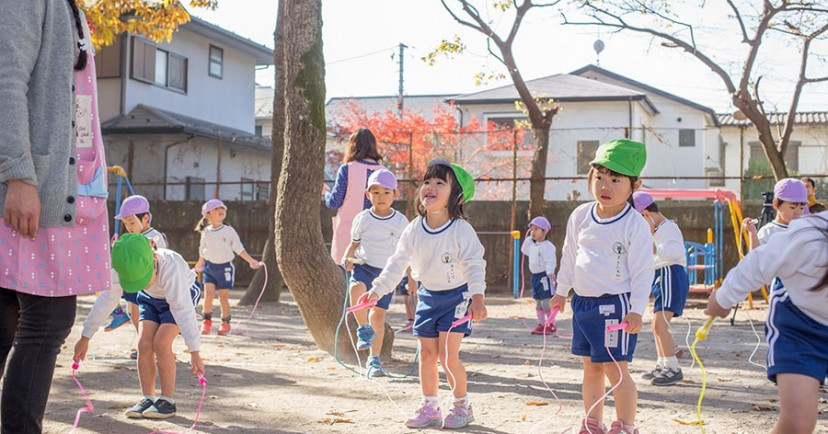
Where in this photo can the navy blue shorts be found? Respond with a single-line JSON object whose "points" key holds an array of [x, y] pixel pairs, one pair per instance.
{"points": [[404, 286], [366, 274], [776, 284], [670, 289], [131, 297], [590, 318], [436, 310], [542, 287], [158, 310], [221, 275], [796, 343]]}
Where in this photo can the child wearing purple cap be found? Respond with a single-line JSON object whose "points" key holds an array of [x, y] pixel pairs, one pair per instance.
{"points": [[670, 288], [374, 236], [542, 263], [136, 216], [219, 245]]}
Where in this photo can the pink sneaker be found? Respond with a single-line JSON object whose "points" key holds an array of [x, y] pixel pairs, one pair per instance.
{"points": [[538, 330], [409, 326], [551, 328], [459, 416], [592, 426], [425, 416], [618, 427]]}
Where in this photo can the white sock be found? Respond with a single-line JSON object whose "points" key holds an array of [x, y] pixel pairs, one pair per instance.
{"points": [[671, 363], [431, 401], [662, 362], [150, 397]]}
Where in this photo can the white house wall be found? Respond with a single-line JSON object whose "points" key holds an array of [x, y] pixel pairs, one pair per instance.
{"points": [[225, 101]]}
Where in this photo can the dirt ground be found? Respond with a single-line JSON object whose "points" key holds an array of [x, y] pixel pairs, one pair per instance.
{"points": [[273, 380]]}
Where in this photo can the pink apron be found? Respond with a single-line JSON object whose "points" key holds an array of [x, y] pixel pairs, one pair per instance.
{"points": [[351, 206]]}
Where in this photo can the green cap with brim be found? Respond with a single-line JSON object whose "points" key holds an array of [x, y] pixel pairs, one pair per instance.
{"points": [[134, 261], [464, 178], [624, 156]]}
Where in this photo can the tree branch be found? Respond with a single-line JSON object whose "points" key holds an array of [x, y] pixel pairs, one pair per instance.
{"points": [[745, 37], [816, 80], [768, 13], [458, 19]]}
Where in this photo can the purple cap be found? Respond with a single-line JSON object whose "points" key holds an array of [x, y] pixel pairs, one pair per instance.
{"points": [[642, 200], [791, 190], [135, 204], [383, 178], [541, 222], [211, 205]]}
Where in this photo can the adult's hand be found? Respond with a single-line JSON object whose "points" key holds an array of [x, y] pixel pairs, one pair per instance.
{"points": [[22, 208]]}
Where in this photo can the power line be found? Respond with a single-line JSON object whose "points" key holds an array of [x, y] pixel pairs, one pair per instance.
{"points": [[359, 56]]}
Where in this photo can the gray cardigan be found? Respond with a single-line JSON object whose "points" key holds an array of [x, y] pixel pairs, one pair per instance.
{"points": [[38, 44]]}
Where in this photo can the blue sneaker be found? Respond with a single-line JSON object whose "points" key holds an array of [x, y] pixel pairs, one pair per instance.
{"points": [[373, 366], [365, 334], [118, 319]]}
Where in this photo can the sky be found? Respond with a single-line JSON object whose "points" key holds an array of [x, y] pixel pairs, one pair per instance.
{"points": [[361, 37]]}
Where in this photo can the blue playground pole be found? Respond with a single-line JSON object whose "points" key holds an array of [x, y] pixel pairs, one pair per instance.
{"points": [[516, 265]]}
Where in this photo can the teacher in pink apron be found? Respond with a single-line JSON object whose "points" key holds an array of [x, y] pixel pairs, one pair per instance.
{"points": [[348, 193]]}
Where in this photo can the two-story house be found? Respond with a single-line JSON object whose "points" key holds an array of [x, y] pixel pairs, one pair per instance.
{"points": [[179, 116]]}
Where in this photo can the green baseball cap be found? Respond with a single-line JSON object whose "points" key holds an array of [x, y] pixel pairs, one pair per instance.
{"points": [[624, 156], [134, 261], [464, 178]]}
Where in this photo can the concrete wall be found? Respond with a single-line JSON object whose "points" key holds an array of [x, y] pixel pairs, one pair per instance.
{"points": [[177, 219]]}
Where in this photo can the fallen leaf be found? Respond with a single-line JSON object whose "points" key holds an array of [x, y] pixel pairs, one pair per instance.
{"points": [[331, 421], [776, 400], [314, 359], [527, 363], [118, 406], [762, 408], [523, 418], [695, 422], [537, 403], [688, 381], [723, 380], [335, 413]]}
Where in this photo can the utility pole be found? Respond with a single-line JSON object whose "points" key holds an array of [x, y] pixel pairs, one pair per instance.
{"points": [[400, 102]]}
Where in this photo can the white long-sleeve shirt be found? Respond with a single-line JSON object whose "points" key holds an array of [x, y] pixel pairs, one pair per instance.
{"points": [[377, 236], [608, 256], [158, 237], [173, 280], [669, 245], [541, 255], [441, 259], [798, 256], [769, 229], [220, 245]]}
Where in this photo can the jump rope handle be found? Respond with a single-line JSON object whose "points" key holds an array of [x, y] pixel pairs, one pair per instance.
{"points": [[366, 305], [201, 379], [75, 366], [552, 315], [461, 321], [613, 327], [703, 331]]}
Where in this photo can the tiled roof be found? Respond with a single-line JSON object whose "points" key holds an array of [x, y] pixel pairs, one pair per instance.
{"points": [[801, 118]]}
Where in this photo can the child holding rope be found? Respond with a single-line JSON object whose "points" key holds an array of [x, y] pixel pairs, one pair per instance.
{"points": [[542, 263], [797, 324], [167, 295], [670, 288], [218, 247], [374, 237], [446, 258], [608, 261], [136, 216]]}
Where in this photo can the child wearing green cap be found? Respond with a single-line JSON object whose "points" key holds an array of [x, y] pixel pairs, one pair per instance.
{"points": [[446, 258], [608, 261], [167, 296]]}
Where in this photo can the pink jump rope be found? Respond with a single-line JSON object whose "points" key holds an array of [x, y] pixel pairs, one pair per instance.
{"points": [[89, 407], [203, 382], [239, 330]]}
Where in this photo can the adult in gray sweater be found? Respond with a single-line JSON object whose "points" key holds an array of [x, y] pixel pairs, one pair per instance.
{"points": [[39, 48]]}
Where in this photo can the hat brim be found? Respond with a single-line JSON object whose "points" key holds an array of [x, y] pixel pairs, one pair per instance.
{"points": [[612, 165], [215, 207], [138, 284]]}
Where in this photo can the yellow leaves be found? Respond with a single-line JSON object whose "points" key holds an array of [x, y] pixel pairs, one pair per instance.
{"points": [[314, 359], [153, 19], [446, 48], [695, 422], [483, 78], [537, 403], [502, 5], [333, 420]]}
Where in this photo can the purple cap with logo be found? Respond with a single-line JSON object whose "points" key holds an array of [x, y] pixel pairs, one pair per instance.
{"points": [[211, 205], [541, 222], [383, 178], [791, 190], [135, 204], [642, 200]]}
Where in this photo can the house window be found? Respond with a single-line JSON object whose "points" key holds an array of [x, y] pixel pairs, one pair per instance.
{"points": [[248, 189], [195, 188], [216, 67], [259, 130], [108, 60], [757, 153], [263, 191], [687, 138], [586, 153], [160, 67]]}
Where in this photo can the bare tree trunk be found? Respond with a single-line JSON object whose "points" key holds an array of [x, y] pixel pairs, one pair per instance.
{"points": [[275, 280], [316, 283], [537, 185], [750, 108]]}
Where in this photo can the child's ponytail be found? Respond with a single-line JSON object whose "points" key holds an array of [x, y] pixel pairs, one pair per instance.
{"points": [[201, 224], [82, 56]]}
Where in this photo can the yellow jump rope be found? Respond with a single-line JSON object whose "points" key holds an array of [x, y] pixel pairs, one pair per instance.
{"points": [[701, 334]]}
